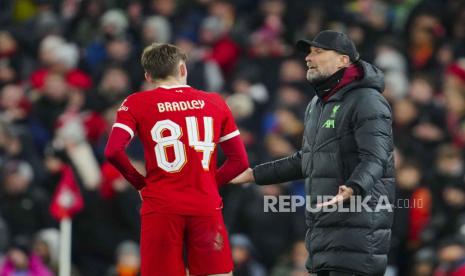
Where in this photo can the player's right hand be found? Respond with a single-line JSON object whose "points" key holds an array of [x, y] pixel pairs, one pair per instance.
{"points": [[245, 177]]}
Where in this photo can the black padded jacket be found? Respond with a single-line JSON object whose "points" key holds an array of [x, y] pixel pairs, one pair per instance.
{"points": [[347, 140]]}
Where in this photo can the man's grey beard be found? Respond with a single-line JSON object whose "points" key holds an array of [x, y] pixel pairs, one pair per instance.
{"points": [[317, 78]]}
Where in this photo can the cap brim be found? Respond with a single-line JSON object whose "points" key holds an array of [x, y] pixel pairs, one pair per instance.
{"points": [[304, 45]]}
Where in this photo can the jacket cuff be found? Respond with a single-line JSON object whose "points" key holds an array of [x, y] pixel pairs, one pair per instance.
{"points": [[264, 174], [356, 188]]}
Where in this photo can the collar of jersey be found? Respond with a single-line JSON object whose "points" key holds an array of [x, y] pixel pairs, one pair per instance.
{"points": [[173, 86]]}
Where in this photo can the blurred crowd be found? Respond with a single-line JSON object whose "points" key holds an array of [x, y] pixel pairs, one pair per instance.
{"points": [[66, 65]]}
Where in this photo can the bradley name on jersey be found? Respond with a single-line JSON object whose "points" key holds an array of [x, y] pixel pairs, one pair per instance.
{"points": [[180, 106]]}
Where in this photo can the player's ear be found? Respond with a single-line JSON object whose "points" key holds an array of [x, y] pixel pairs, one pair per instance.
{"points": [[344, 60], [148, 77], [183, 69]]}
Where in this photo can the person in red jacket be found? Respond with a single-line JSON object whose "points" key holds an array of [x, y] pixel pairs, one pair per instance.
{"points": [[180, 128]]}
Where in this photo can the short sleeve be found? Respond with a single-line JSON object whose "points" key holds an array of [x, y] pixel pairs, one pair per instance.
{"points": [[228, 128], [125, 118]]}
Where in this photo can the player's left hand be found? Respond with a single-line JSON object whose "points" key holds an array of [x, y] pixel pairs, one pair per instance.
{"points": [[343, 194]]}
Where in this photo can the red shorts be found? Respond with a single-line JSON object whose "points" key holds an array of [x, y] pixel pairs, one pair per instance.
{"points": [[164, 236]]}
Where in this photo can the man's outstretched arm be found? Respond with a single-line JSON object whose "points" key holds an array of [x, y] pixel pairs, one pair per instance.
{"points": [[278, 171], [116, 155]]}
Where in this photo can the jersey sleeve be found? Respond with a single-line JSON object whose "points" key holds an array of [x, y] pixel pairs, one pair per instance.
{"points": [[125, 118], [228, 127]]}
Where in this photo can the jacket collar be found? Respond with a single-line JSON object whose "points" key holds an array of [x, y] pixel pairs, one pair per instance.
{"points": [[174, 86], [340, 80], [325, 87], [352, 74]]}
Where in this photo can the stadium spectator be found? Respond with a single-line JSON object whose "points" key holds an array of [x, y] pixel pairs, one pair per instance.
{"points": [[10, 59], [46, 246], [451, 255], [14, 105], [127, 260], [61, 58], [295, 261], [424, 262], [23, 205], [244, 262], [21, 260], [412, 216], [219, 47], [204, 74]]}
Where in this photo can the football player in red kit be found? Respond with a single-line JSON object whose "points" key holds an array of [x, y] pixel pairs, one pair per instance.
{"points": [[179, 127]]}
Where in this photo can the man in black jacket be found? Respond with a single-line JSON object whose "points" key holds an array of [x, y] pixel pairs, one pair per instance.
{"points": [[347, 150]]}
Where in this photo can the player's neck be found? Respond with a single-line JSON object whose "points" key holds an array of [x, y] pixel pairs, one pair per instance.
{"points": [[168, 82]]}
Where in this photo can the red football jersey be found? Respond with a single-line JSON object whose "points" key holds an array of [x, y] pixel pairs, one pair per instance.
{"points": [[179, 128]]}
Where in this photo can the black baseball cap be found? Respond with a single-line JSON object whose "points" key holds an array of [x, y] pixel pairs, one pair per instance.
{"points": [[331, 40]]}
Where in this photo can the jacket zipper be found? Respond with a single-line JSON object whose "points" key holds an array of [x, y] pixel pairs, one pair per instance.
{"points": [[316, 134], [311, 160]]}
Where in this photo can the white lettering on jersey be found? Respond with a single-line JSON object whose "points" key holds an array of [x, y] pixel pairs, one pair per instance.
{"points": [[161, 107], [180, 106]]}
